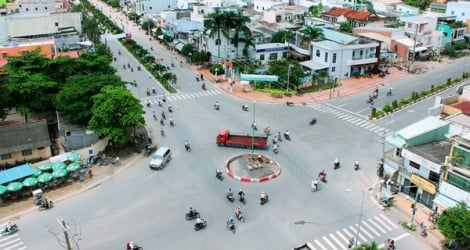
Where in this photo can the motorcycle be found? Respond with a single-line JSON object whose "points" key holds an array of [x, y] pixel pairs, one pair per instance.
{"points": [[199, 226], [230, 197], [313, 121], [356, 165], [138, 68], [231, 226], [389, 244], [290, 103], [9, 230], [336, 164], [192, 215], [155, 117], [242, 199], [216, 106], [154, 91], [245, 108], [172, 123], [267, 131], [263, 200], [203, 86], [162, 132], [219, 175], [275, 149], [170, 109], [322, 177], [240, 216], [253, 126], [287, 136], [44, 205], [197, 78], [148, 104], [315, 187]]}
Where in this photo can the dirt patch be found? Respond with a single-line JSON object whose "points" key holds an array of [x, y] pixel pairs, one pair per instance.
{"points": [[246, 166]]}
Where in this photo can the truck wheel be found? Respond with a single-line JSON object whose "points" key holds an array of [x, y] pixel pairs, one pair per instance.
{"points": [[221, 144]]}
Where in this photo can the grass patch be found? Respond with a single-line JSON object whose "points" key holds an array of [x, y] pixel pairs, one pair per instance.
{"points": [[407, 226]]}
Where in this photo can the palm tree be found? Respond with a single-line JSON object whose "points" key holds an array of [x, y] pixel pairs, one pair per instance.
{"points": [[240, 27], [312, 33], [229, 22], [249, 41], [283, 36], [214, 25]]}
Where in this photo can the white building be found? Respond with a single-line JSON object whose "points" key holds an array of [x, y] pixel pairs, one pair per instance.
{"points": [[343, 55], [460, 9], [423, 30]]}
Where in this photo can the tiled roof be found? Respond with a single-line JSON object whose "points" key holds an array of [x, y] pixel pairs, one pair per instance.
{"points": [[349, 14], [24, 136]]}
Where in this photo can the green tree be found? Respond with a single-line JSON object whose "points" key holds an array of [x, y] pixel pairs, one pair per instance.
{"points": [[315, 10], [75, 95], [113, 3], [214, 25], [454, 224], [241, 29], [345, 27], [249, 41], [115, 112], [133, 16], [91, 27], [280, 68], [188, 48], [147, 25], [283, 36], [199, 57], [311, 33], [372, 246]]}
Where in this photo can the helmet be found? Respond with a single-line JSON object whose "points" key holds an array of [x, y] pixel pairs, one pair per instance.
{"points": [[131, 242]]}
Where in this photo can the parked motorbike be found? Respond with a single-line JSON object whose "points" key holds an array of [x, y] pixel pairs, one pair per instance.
{"points": [[199, 226], [9, 230], [192, 216]]}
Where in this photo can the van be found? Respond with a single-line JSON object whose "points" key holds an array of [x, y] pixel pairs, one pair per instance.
{"points": [[160, 158]]}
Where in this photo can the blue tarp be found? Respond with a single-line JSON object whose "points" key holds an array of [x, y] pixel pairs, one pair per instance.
{"points": [[15, 173]]}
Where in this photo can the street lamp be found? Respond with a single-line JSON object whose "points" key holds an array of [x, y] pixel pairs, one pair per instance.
{"points": [[253, 131], [288, 78], [216, 74], [360, 215], [190, 54]]}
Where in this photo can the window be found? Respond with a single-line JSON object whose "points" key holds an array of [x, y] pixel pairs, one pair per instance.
{"points": [[273, 56], [452, 12], [326, 56], [409, 25], [434, 177], [361, 52], [334, 57], [6, 156], [284, 54], [4, 55], [261, 57], [150, 8], [317, 53], [27, 152], [46, 7], [459, 181], [354, 52], [414, 165], [333, 69]]}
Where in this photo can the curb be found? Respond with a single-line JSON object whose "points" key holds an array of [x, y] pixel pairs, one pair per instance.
{"points": [[249, 180]]}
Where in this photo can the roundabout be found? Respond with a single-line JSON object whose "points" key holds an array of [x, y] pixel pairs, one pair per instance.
{"points": [[252, 168]]}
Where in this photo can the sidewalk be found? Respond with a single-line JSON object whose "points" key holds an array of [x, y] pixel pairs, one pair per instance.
{"points": [[348, 87], [401, 212]]}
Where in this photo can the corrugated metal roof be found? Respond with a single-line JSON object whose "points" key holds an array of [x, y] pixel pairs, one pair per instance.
{"points": [[15, 173], [25, 136], [426, 125]]}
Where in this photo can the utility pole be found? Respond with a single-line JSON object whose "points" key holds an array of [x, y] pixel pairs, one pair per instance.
{"points": [[66, 229], [414, 49]]}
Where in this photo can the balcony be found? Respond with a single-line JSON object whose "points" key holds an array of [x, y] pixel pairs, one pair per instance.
{"points": [[371, 60]]}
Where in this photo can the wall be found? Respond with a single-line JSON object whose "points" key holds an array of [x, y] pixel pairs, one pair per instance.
{"points": [[401, 49], [12, 50], [17, 157], [454, 193]]}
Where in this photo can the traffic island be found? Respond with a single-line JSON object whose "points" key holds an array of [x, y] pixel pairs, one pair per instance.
{"points": [[252, 168]]}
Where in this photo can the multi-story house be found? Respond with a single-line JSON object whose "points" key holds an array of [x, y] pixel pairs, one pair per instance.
{"points": [[459, 9], [286, 14], [355, 17], [422, 30], [343, 55], [407, 10]]}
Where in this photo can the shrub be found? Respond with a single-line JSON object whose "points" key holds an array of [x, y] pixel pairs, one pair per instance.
{"points": [[394, 104], [373, 112], [432, 87], [387, 108], [449, 81], [423, 93], [414, 95], [404, 101], [456, 80]]}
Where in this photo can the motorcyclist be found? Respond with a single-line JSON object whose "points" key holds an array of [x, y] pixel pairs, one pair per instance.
{"points": [[267, 130], [163, 115], [231, 223], [253, 126], [241, 195], [154, 115], [286, 134], [229, 193], [264, 196], [238, 210], [336, 163], [278, 135], [322, 174], [289, 102], [216, 105], [192, 211], [8, 226], [390, 244], [245, 107], [172, 122], [131, 245], [315, 184], [187, 145], [356, 164], [203, 86], [170, 108], [275, 148], [218, 172], [199, 221], [162, 132], [314, 120], [154, 90]]}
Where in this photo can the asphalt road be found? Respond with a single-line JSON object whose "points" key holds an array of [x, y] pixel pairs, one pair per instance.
{"points": [[148, 206]]}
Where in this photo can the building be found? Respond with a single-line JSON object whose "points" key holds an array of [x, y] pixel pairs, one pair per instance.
{"points": [[24, 142], [343, 55], [354, 17], [459, 9]]}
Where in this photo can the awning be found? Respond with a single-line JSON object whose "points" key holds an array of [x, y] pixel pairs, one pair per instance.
{"points": [[445, 201], [419, 49], [298, 55], [179, 47], [15, 173], [160, 37], [395, 141], [314, 65]]}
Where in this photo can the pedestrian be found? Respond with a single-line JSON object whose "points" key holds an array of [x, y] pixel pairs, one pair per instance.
{"points": [[431, 215]]}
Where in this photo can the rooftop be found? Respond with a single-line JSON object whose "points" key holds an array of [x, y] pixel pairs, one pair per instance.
{"points": [[434, 151]]}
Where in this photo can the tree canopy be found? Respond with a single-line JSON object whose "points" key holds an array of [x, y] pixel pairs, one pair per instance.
{"points": [[280, 68], [346, 27], [283, 36], [115, 110], [454, 224]]}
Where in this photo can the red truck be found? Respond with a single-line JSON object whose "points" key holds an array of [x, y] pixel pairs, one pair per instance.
{"points": [[224, 138]]}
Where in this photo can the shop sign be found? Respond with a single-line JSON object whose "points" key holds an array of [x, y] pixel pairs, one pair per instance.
{"points": [[423, 184]]}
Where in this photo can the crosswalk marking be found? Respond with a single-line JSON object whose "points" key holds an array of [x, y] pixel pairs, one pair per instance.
{"points": [[12, 242], [387, 220], [342, 237], [179, 97], [354, 229], [335, 239], [370, 220], [370, 228], [329, 243], [363, 230], [320, 245]]}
